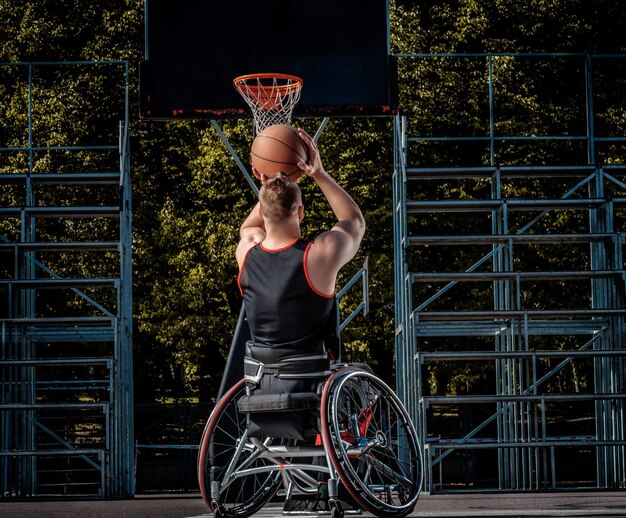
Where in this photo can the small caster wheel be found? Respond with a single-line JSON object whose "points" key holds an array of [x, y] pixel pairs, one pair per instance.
{"points": [[218, 510], [336, 511]]}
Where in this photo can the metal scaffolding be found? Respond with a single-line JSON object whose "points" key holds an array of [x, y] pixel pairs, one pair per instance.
{"points": [[500, 318], [66, 413]]}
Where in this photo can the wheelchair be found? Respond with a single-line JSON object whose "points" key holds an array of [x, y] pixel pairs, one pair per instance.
{"points": [[365, 450]]}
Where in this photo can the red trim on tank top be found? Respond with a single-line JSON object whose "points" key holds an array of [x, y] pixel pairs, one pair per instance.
{"points": [[243, 264], [308, 280], [278, 249]]}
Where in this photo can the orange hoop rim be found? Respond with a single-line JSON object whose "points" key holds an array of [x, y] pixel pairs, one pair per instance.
{"points": [[271, 96], [295, 84]]}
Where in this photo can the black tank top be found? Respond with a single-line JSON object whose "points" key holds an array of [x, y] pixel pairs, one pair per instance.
{"points": [[284, 310]]}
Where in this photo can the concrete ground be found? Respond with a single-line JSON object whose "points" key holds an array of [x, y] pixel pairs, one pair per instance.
{"points": [[563, 504]]}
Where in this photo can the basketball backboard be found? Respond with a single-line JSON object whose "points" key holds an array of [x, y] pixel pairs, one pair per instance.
{"points": [[195, 48]]}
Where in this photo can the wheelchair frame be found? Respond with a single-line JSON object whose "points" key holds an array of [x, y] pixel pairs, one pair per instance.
{"points": [[368, 443]]}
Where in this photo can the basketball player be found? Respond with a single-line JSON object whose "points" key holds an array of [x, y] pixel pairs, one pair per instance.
{"points": [[288, 285]]}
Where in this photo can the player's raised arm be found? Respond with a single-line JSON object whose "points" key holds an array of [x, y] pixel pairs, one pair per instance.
{"points": [[331, 250], [251, 232]]}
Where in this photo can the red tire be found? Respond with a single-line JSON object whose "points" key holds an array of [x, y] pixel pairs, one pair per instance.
{"points": [[245, 495]]}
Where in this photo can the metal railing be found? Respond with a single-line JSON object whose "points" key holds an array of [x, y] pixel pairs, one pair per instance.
{"points": [[442, 313], [65, 359]]}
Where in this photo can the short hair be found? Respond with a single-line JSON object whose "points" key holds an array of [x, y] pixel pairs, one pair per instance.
{"points": [[280, 197]]}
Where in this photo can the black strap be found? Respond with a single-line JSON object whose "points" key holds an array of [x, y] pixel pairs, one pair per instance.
{"points": [[306, 366]]}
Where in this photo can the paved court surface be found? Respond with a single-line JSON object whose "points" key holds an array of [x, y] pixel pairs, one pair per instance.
{"points": [[595, 504]]}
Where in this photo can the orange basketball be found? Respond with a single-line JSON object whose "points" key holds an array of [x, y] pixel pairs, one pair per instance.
{"points": [[276, 149]]}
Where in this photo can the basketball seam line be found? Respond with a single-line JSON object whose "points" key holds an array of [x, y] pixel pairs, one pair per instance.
{"points": [[274, 161], [284, 144]]}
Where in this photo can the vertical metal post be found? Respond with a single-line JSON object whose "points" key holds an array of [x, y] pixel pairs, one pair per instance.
{"points": [[28, 311], [618, 364], [3, 431], [410, 336], [500, 367], [492, 147], [591, 152], [598, 300], [409, 384], [544, 436], [125, 401]]}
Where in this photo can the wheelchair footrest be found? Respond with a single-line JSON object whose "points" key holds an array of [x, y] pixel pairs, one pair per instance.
{"points": [[312, 505], [305, 504]]}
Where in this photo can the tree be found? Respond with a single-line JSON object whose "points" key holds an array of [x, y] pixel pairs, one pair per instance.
{"points": [[189, 195]]}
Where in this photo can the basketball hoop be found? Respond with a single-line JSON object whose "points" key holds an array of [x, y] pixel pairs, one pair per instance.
{"points": [[271, 97]]}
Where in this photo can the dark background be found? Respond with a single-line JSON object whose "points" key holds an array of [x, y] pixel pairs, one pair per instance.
{"points": [[195, 48]]}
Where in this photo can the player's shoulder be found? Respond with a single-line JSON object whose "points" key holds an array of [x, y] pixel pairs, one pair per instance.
{"points": [[325, 245], [247, 243]]}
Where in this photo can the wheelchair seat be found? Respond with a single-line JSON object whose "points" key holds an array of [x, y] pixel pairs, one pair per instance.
{"points": [[282, 398]]}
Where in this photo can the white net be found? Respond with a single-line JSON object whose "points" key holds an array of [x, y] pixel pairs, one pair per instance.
{"points": [[271, 97]]}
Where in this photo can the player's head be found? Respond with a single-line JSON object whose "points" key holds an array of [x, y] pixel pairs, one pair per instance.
{"points": [[280, 198]]}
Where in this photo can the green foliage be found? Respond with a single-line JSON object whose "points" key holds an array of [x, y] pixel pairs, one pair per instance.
{"points": [[189, 197], [71, 30], [507, 26]]}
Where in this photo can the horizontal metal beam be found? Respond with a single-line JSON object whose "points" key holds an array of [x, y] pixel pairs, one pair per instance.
{"points": [[43, 246], [52, 362], [60, 212], [524, 276], [70, 334], [50, 453], [451, 173], [60, 283], [97, 178], [519, 314], [58, 321], [61, 406], [509, 138], [529, 444], [454, 400], [112, 147], [512, 205], [167, 446], [62, 63], [445, 328], [538, 172], [428, 357], [494, 239]]}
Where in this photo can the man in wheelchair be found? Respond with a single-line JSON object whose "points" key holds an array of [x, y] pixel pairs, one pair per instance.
{"points": [[295, 421], [288, 287]]}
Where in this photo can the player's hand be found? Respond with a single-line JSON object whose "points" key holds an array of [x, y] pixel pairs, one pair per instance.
{"points": [[313, 165]]}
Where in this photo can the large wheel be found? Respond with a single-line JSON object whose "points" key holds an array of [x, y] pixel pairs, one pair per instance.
{"points": [[372, 443], [225, 451]]}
